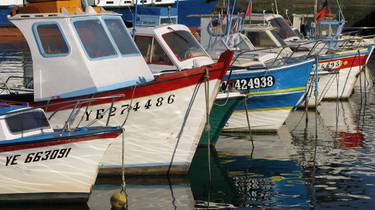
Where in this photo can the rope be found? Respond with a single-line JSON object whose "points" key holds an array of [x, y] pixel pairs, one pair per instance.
{"points": [[130, 107], [347, 76], [249, 127], [192, 99], [337, 104], [208, 130], [123, 182]]}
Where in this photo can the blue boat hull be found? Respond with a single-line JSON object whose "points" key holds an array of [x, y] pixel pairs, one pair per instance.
{"points": [[272, 94]]}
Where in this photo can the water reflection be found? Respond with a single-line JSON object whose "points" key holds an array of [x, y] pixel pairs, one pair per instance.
{"points": [[153, 193], [267, 178]]}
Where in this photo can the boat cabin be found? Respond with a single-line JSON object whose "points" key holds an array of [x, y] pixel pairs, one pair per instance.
{"points": [[277, 21], [170, 47], [17, 121], [327, 29], [77, 52]]}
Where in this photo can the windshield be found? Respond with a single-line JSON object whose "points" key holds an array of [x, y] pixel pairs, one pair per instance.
{"points": [[283, 27], [260, 39], [121, 36], [94, 38], [26, 121], [151, 50], [245, 43], [183, 45]]}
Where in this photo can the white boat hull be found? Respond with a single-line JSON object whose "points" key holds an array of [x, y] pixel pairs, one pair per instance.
{"points": [[70, 175], [159, 139], [341, 85]]}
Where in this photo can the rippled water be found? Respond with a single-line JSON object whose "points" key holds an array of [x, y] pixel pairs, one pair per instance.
{"points": [[325, 162]]}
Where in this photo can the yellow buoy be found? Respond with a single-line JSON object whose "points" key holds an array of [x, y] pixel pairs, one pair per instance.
{"points": [[277, 178], [119, 200]]}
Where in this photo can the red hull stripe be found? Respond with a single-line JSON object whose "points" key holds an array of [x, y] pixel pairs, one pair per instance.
{"points": [[163, 83], [60, 141], [348, 62]]}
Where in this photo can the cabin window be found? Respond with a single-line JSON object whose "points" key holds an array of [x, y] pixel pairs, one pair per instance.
{"points": [[327, 30], [260, 39], [94, 38], [283, 27], [152, 51], [26, 121], [121, 36], [50, 40], [183, 45]]}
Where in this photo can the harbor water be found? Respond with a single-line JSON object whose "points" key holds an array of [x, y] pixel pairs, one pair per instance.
{"points": [[324, 161]]}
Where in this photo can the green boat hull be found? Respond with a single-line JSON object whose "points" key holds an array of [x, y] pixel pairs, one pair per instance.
{"points": [[220, 113]]}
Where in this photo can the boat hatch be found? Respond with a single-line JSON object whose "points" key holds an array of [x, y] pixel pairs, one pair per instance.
{"points": [[23, 123], [92, 51]]}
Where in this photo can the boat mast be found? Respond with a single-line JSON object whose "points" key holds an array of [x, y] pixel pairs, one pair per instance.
{"points": [[315, 21], [341, 14], [316, 7], [276, 7]]}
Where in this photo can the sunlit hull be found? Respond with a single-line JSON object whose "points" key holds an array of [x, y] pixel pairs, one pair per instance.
{"points": [[52, 170], [340, 84]]}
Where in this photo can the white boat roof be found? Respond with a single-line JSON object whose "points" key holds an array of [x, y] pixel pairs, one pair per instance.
{"points": [[88, 64], [158, 31]]}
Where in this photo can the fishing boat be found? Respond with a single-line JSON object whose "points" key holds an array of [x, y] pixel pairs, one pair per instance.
{"points": [[275, 86], [40, 164], [92, 54], [339, 62], [163, 54]]}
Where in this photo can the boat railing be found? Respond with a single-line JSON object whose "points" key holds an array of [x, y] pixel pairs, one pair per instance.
{"points": [[75, 106], [313, 51], [6, 87], [354, 42]]}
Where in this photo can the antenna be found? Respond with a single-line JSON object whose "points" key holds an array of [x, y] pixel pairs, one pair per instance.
{"points": [[135, 17]]}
